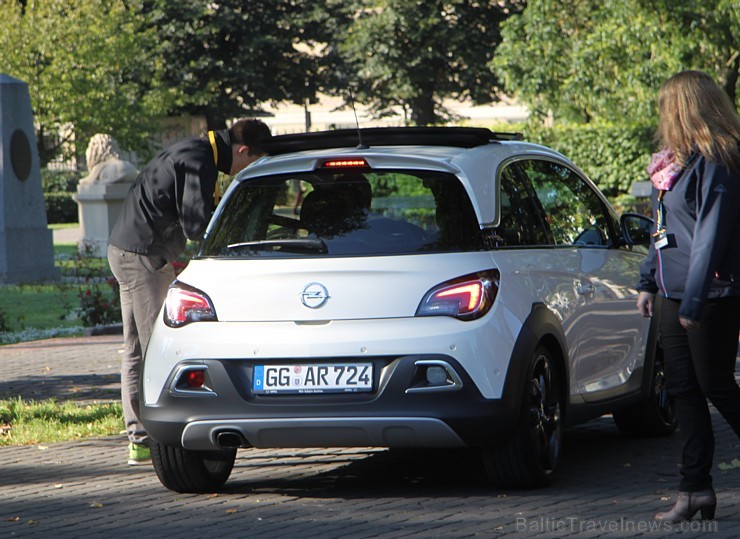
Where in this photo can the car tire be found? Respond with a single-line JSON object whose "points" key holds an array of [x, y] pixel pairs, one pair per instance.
{"points": [[655, 416], [529, 456], [183, 470]]}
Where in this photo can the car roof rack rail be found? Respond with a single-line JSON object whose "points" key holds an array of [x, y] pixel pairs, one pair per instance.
{"points": [[461, 137]]}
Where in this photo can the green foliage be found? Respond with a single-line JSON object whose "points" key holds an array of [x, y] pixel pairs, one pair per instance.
{"points": [[90, 64], [412, 55], [60, 208], [32, 422], [99, 305], [4, 324], [58, 187], [87, 295], [229, 56], [59, 181], [589, 60], [97, 291], [626, 203], [613, 156]]}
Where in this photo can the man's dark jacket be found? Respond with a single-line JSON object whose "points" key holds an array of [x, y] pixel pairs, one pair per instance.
{"points": [[171, 201]]}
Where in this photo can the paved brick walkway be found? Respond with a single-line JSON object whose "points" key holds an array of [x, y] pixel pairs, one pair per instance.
{"points": [[609, 486], [85, 368]]}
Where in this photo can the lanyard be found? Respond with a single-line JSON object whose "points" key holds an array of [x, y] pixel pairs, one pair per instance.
{"points": [[212, 138], [660, 222], [216, 190]]}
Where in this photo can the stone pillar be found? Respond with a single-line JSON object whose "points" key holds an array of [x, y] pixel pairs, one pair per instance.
{"points": [[26, 243], [99, 206]]}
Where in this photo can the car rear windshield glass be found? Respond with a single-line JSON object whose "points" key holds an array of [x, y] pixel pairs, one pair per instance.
{"points": [[339, 213]]}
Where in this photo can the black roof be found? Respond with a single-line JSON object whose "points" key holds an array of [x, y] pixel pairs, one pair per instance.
{"points": [[462, 137]]}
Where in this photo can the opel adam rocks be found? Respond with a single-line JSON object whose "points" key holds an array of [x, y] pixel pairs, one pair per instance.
{"points": [[403, 287]]}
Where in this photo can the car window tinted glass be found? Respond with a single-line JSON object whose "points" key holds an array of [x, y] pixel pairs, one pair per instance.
{"points": [[521, 222], [574, 213], [339, 213]]}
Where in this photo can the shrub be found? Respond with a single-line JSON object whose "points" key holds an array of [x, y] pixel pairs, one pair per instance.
{"points": [[612, 156], [97, 291], [100, 303], [60, 208], [59, 181], [58, 187], [4, 324]]}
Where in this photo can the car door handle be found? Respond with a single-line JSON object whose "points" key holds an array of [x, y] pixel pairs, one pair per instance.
{"points": [[586, 290]]}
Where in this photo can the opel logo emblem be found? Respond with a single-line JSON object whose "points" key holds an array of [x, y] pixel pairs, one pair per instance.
{"points": [[314, 295]]}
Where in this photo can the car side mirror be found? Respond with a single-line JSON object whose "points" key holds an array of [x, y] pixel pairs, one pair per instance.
{"points": [[636, 229]]}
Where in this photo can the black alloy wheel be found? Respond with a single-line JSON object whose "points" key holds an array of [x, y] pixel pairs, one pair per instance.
{"points": [[654, 416], [529, 457]]}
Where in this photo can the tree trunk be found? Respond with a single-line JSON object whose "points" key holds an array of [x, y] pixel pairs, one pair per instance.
{"points": [[422, 110], [214, 120], [45, 154]]}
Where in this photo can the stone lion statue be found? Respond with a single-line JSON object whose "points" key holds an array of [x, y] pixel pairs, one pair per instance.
{"points": [[104, 164]]}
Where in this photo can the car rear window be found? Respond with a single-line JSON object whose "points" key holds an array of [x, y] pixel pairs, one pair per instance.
{"points": [[335, 213]]}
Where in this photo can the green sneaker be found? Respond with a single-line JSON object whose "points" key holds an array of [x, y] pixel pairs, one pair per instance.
{"points": [[138, 454]]}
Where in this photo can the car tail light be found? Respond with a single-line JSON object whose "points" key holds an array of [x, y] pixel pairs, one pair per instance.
{"points": [[345, 163], [185, 305], [195, 378], [464, 298], [192, 380]]}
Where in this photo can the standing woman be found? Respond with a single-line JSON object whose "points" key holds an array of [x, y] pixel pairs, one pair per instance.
{"points": [[694, 264]]}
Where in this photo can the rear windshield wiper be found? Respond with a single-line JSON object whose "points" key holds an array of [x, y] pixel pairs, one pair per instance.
{"points": [[300, 245]]}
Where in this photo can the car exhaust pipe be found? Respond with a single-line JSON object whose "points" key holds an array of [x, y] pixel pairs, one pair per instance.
{"points": [[230, 439]]}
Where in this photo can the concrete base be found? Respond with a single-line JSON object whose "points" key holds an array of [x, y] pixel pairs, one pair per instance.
{"points": [[26, 247], [99, 207]]}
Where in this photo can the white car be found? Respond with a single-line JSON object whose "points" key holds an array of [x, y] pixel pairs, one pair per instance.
{"points": [[403, 287]]}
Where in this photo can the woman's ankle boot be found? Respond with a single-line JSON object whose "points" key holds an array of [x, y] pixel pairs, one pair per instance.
{"points": [[688, 504]]}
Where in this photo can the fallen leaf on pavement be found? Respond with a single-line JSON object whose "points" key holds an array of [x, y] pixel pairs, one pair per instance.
{"points": [[731, 466]]}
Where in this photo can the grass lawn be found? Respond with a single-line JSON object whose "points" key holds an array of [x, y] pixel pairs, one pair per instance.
{"points": [[38, 306], [35, 311], [34, 422], [38, 311]]}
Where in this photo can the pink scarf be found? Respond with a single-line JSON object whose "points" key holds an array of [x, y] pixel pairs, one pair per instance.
{"points": [[663, 170]]}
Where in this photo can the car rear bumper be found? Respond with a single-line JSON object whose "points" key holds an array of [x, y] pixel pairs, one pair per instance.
{"points": [[401, 411], [322, 432]]}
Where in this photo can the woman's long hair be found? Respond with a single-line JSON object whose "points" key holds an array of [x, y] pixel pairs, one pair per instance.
{"points": [[696, 114]]}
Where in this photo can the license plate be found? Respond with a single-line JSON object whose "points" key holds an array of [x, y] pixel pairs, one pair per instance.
{"points": [[323, 378]]}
